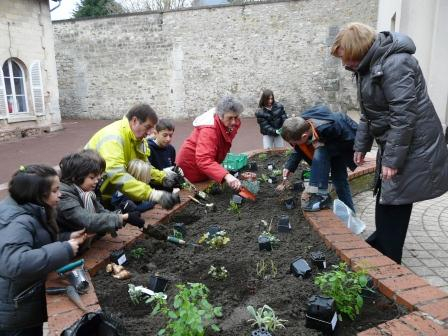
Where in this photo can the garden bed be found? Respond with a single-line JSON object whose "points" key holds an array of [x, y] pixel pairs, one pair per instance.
{"points": [[285, 293]]}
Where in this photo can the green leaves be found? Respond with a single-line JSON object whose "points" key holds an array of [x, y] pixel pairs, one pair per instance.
{"points": [[265, 317], [191, 313], [344, 287]]}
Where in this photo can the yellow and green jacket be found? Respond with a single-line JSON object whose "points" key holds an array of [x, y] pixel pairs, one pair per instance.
{"points": [[117, 144]]}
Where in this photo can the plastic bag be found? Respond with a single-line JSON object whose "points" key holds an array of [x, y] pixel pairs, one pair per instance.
{"points": [[348, 217], [96, 324]]}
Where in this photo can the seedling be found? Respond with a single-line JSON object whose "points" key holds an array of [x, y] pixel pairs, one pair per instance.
{"points": [[235, 208], [262, 156], [138, 252], [272, 238], [276, 172], [216, 241], [191, 313], [345, 287], [218, 273], [135, 295], [265, 317], [263, 178], [266, 269]]}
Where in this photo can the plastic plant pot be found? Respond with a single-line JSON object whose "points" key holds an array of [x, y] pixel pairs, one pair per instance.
{"points": [[272, 179], [157, 284], [300, 268], [289, 203], [213, 230], [180, 227], [321, 314], [118, 257], [264, 243], [270, 166], [260, 332], [298, 186], [78, 279], [284, 225], [318, 259], [252, 166], [237, 199]]}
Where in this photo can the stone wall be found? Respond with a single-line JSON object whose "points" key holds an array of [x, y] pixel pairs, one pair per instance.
{"points": [[181, 62]]}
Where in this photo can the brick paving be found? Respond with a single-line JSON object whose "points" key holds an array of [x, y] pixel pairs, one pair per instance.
{"points": [[426, 246]]}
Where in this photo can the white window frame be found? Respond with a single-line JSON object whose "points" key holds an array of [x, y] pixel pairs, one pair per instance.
{"points": [[11, 78]]}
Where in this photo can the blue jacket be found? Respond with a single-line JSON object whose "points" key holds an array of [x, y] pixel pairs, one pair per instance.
{"points": [[338, 135], [161, 157]]}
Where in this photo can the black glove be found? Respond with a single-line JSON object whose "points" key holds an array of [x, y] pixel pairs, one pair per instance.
{"points": [[172, 179], [166, 199], [134, 219], [127, 206]]}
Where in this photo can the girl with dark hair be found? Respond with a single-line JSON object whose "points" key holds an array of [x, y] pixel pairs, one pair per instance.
{"points": [[79, 208], [270, 116], [29, 249]]}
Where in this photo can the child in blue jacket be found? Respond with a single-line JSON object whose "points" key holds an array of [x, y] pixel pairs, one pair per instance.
{"points": [[325, 140]]}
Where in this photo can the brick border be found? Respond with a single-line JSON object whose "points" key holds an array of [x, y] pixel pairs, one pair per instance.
{"points": [[428, 304]]}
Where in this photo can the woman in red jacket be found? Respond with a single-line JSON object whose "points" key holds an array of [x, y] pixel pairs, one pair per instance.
{"points": [[207, 146]]}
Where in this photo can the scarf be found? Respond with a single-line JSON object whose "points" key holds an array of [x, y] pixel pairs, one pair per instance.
{"points": [[87, 198]]}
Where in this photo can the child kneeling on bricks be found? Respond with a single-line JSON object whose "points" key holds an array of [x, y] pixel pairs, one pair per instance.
{"points": [[325, 140], [78, 207]]}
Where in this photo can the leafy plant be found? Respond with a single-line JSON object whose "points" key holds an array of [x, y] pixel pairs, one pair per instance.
{"points": [[265, 317], [135, 295], [276, 172], [217, 240], [272, 238], [287, 152], [191, 312], [218, 273], [266, 269], [262, 156], [235, 208], [345, 287], [138, 252], [178, 234], [263, 178]]}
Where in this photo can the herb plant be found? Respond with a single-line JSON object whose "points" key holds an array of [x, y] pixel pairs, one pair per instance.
{"points": [[276, 172], [272, 238], [191, 312], [345, 287], [138, 252], [218, 273], [235, 208], [263, 178], [265, 317], [135, 295], [217, 240], [262, 156]]}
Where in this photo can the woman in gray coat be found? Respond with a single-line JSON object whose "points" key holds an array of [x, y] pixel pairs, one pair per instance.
{"points": [[398, 114], [29, 249]]}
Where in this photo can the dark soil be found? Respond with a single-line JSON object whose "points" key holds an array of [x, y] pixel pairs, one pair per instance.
{"points": [[285, 293]]}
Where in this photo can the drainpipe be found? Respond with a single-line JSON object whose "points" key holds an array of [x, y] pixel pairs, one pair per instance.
{"points": [[59, 3]]}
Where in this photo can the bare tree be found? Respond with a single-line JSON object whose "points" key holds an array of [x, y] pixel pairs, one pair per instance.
{"points": [[133, 6]]}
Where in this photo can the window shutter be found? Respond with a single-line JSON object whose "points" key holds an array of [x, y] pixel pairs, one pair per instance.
{"points": [[37, 90], [3, 102]]}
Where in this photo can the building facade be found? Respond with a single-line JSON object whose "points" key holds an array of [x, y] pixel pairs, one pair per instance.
{"points": [[426, 23], [29, 96]]}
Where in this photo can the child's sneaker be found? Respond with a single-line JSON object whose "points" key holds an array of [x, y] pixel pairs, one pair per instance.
{"points": [[316, 202]]}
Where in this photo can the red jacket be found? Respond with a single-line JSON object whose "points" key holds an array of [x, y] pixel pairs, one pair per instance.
{"points": [[201, 154]]}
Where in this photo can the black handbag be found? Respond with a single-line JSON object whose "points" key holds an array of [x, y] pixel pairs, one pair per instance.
{"points": [[96, 324]]}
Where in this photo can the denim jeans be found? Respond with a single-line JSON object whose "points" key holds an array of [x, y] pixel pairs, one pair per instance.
{"points": [[320, 168]]}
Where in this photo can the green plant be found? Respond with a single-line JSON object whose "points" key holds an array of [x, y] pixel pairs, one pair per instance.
{"points": [[276, 172], [262, 156], [345, 287], [263, 178], [287, 152], [218, 273], [138, 252], [266, 269], [135, 295], [272, 238], [265, 317], [235, 208], [178, 234], [191, 311], [218, 240]]}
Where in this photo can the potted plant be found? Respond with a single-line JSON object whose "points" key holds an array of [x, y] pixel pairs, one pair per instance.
{"points": [[191, 313], [300, 268], [265, 319], [157, 283], [284, 225], [266, 240], [321, 313], [318, 258]]}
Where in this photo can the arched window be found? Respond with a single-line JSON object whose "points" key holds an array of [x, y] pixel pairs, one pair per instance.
{"points": [[14, 78]]}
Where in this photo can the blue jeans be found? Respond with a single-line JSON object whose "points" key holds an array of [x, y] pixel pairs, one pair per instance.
{"points": [[320, 168]]}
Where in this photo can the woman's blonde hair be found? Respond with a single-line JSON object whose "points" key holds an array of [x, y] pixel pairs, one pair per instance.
{"points": [[355, 39], [141, 170]]}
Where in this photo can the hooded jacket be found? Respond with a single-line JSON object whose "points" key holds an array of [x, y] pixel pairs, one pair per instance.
{"points": [[271, 120], [398, 114], [201, 154], [28, 252], [337, 132], [117, 144], [73, 216]]}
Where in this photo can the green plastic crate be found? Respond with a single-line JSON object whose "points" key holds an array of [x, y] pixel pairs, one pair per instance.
{"points": [[235, 161]]}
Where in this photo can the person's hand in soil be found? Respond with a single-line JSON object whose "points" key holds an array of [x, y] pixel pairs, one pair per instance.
{"points": [[286, 173], [232, 182], [166, 199]]}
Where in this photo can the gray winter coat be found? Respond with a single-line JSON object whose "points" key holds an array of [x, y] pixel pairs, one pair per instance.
{"points": [[72, 216], [398, 114], [28, 253]]}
